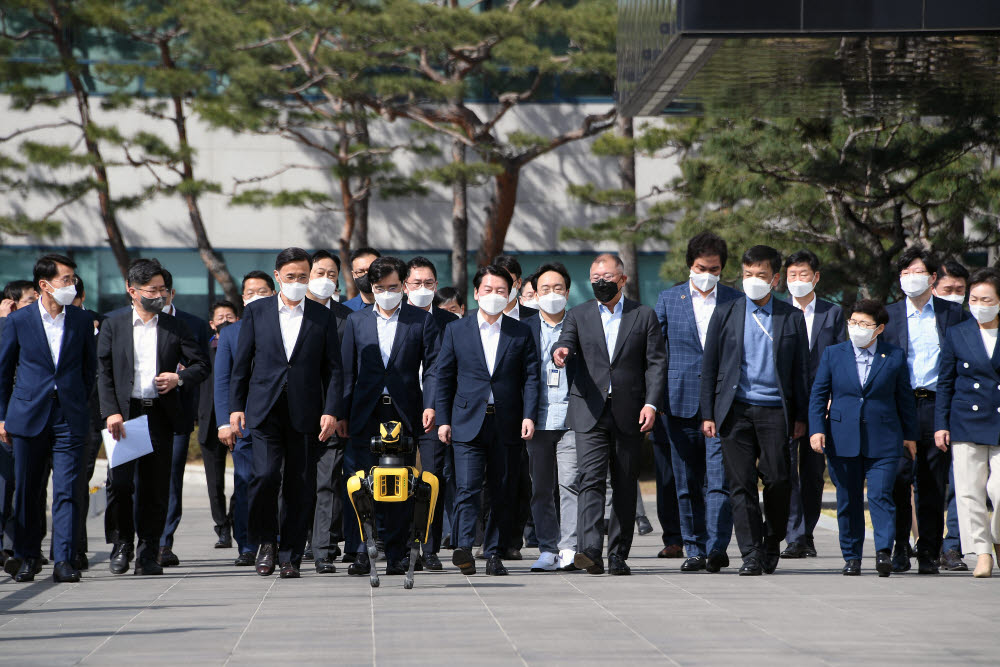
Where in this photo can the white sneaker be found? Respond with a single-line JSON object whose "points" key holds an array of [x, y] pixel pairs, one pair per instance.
{"points": [[547, 562], [566, 557]]}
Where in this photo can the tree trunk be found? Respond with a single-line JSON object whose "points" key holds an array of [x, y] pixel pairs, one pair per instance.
{"points": [[347, 204], [361, 210], [459, 223], [499, 214], [627, 247]]}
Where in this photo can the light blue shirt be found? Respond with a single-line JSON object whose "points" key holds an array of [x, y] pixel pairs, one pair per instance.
{"points": [[554, 400], [612, 321], [386, 327], [922, 352], [863, 357], [758, 378]]}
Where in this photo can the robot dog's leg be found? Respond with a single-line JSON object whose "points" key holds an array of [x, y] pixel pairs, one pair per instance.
{"points": [[360, 492], [424, 497]]}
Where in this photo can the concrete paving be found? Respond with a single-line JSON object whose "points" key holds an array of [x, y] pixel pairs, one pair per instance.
{"points": [[208, 612]]}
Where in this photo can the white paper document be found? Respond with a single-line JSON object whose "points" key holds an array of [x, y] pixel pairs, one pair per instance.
{"points": [[136, 442]]}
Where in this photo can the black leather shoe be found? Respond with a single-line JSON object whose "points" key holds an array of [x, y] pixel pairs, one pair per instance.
{"points": [[147, 567], [464, 561], [225, 542], [883, 563], [693, 564], [349, 558], [308, 553], [397, 567], [952, 561], [494, 567], [617, 567], [29, 568], [590, 561], [512, 554], [245, 559], [325, 566], [810, 547], [852, 568], [361, 566], [119, 559], [167, 558], [643, 525], [11, 565], [289, 570], [751, 568], [432, 563], [927, 565], [81, 562], [770, 563], [794, 550], [265, 560], [65, 573], [716, 561], [334, 553], [900, 560]]}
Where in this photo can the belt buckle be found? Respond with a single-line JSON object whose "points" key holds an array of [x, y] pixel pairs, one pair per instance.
{"points": [[921, 393], [147, 402], [491, 409], [386, 400]]}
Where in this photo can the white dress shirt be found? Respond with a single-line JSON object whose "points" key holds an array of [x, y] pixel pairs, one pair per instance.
{"points": [[612, 321], [704, 306], [989, 340], [810, 314], [54, 328], [386, 327], [489, 334], [290, 321], [144, 353], [515, 312]]}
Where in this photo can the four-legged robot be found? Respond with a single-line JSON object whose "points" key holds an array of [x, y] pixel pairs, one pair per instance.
{"points": [[393, 482]]}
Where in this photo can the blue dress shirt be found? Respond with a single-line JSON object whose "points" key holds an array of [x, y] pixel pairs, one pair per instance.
{"points": [[553, 400], [922, 352]]}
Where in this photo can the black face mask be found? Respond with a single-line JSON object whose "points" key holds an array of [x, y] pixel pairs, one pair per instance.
{"points": [[363, 284], [152, 305], [604, 290], [221, 326]]}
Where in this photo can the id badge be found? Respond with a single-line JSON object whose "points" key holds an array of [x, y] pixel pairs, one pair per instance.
{"points": [[553, 377]]}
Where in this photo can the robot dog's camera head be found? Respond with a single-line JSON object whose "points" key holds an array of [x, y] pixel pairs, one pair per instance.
{"points": [[391, 440]]}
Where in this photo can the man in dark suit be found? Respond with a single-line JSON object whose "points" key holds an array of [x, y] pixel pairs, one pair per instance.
{"points": [[383, 351], [487, 397], [754, 394], [47, 362], [361, 259], [286, 355], [684, 311], [917, 324], [824, 327], [620, 375], [421, 286], [139, 351]]}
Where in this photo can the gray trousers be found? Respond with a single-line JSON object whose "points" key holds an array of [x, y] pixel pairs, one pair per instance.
{"points": [[552, 464]]}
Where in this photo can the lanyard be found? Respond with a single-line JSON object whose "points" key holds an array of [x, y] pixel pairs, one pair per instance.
{"points": [[769, 337]]}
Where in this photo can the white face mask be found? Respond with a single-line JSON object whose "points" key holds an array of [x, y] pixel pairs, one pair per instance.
{"points": [[255, 297], [323, 288], [800, 288], [64, 295], [421, 298], [530, 303], [388, 300], [704, 281], [954, 298], [860, 336], [552, 303], [493, 303], [914, 285], [984, 314], [756, 288], [294, 291], [513, 295]]}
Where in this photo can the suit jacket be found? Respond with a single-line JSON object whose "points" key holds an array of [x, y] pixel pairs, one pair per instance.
{"points": [[222, 369], [884, 409], [535, 324], [190, 395], [365, 376], [175, 344], [897, 332], [679, 329], [526, 312], [442, 318], [311, 377], [28, 376], [206, 399], [464, 382], [968, 389], [636, 371], [720, 372], [828, 329]]}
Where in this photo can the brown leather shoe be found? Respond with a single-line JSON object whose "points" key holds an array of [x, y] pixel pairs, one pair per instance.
{"points": [[672, 551]]}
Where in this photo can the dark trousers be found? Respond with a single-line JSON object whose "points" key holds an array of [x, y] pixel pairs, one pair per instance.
{"points": [[242, 473], [953, 539], [178, 461], [755, 446], [280, 463], [667, 489], [147, 480], [6, 496], [327, 469], [518, 485], [92, 448], [848, 475], [31, 464], [213, 455], [930, 481], [432, 459], [705, 514], [806, 477], [602, 448], [488, 458]]}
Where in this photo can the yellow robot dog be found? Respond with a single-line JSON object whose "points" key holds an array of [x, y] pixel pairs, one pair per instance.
{"points": [[393, 482]]}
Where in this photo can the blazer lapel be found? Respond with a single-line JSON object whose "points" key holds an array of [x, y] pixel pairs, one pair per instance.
{"points": [[629, 314], [401, 328], [67, 334], [477, 339], [303, 330], [878, 361], [739, 320], [995, 360], [371, 330], [777, 323], [687, 307], [39, 334], [162, 345], [819, 320], [503, 343]]}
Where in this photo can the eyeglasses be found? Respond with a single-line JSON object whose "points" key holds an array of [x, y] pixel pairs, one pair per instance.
{"points": [[862, 324], [263, 291], [914, 272], [430, 284], [359, 274], [558, 289], [610, 277], [378, 289], [163, 291]]}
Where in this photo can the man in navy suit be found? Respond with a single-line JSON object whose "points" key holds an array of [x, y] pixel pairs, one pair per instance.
{"points": [[487, 398], [824, 327], [917, 324], [684, 312], [286, 354], [754, 396], [256, 285], [48, 364], [383, 351]]}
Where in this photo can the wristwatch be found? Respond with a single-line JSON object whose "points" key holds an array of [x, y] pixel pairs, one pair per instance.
{"points": [[180, 381]]}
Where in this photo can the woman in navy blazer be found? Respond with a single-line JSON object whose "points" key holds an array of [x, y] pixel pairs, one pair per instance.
{"points": [[967, 417], [872, 416]]}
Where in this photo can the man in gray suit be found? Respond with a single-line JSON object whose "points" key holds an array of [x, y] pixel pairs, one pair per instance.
{"points": [[620, 376]]}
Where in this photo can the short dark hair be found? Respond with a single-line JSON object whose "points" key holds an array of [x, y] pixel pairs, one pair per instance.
{"points": [[259, 275], [222, 304], [46, 269], [168, 279], [15, 289], [362, 252], [421, 262], [953, 269], [872, 308], [80, 286], [545, 268], [760, 254], [803, 256], [383, 267], [289, 255], [915, 252], [987, 275], [449, 293], [324, 254], [493, 270], [705, 244], [510, 264], [141, 271]]}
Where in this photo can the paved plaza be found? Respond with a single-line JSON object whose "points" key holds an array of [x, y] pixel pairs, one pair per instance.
{"points": [[207, 612]]}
